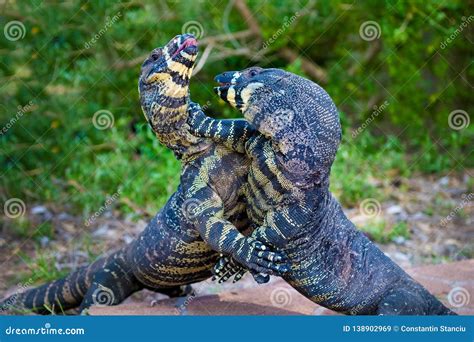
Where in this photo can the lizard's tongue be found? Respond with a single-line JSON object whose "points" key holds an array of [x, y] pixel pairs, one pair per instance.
{"points": [[185, 44]]}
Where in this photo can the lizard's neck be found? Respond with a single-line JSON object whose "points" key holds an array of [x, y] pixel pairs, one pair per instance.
{"points": [[182, 143], [169, 122]]}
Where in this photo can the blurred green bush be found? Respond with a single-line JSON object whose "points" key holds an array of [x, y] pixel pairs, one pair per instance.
{"points": [[76, 58]]}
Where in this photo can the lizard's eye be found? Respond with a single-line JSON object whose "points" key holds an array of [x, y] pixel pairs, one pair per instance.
{"points": [[156, 55], [252, 73]]}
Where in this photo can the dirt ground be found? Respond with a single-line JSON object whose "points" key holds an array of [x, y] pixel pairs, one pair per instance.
{"points": [[438, 213]]}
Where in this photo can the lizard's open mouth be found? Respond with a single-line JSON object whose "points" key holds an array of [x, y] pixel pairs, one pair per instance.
{"points": [[225, 80], [188, 45]]}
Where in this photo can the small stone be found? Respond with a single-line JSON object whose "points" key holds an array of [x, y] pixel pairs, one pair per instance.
{"points": [[64, 217], [401, 256], [395, 210], [39, 209], [44, 241], [399, 240], [42, 211], [418, 216], [127, 238], [101, 231], [444, 181]]}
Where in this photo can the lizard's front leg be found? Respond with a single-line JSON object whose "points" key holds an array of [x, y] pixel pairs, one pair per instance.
{"points": [[232, 133], [282, 224], [225, 238]]}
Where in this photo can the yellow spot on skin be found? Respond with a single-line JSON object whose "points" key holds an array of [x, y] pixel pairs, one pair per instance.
{"points": [[247, 92], [179, 68], [177, 91], [188, 56], [231, 96], [159, 77]]}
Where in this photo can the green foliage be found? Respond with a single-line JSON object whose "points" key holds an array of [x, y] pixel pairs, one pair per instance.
{"points": [[53, 152], [42, 267], [381, 232]]}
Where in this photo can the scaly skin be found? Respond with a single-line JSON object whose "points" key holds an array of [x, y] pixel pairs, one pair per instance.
{"points": [[296, 133], [170, 252]]}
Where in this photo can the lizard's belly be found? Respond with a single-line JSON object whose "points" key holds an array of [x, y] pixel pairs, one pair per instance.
{"points": [[170, 253], [266, 186]]}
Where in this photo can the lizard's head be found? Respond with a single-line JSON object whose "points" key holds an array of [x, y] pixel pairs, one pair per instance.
{"points": [[297, 115], [164, 91]]}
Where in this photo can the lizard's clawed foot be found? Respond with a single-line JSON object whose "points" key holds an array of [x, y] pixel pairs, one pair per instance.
{"points": [[255, 256], [227, 268], [258, 257]]}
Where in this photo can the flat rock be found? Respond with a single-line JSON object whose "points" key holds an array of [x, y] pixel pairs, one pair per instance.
{"points": [[452, 283]]}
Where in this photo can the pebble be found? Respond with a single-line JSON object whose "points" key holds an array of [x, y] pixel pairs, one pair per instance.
{"points": [[399, 240], [42, 211], [444, 181]]}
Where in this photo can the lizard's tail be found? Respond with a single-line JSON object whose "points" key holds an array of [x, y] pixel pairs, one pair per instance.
{"points": [[56, 296], [63, 294]]}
